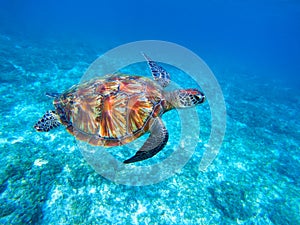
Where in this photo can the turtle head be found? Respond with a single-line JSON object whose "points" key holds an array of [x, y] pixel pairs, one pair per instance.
{"points": [[187, 98]]}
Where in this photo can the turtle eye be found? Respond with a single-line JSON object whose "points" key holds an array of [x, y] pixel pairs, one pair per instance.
{"points": [[197, 98]]}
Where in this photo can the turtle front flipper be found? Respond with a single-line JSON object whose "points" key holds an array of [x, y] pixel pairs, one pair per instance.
{"points": [[159, 73], [47, 122], [157, 140]]}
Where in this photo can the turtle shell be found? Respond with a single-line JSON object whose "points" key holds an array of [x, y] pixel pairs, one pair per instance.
{"points": [[111, 111]]}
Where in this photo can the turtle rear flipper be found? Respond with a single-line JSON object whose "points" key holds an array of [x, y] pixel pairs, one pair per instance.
{"points": [[157, 140], [47, 122]]}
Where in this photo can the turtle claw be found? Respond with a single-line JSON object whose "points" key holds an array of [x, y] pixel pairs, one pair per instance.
{"points": [[52, 95]]}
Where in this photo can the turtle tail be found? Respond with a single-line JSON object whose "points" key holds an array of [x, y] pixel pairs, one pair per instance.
{"points": [[47, 122]]}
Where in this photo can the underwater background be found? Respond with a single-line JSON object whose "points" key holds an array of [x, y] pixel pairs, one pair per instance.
{"points": [[253, 49]]}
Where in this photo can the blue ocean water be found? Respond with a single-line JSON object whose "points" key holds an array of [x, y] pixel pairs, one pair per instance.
{"points": [[253, 49]]}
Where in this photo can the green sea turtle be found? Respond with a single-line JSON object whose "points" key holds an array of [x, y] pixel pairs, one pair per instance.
{"points": [[118, 109]]}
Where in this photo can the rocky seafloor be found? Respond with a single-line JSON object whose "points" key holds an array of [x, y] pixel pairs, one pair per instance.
{"points": [[45, 180]]}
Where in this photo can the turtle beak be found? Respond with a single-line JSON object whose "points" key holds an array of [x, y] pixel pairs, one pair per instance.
{"points": [[201, 97]]}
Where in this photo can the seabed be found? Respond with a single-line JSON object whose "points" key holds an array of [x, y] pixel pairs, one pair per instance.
{"points": [[44, 179]]}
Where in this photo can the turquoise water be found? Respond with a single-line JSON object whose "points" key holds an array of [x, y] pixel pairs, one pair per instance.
{"points": [[44, 179]]}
